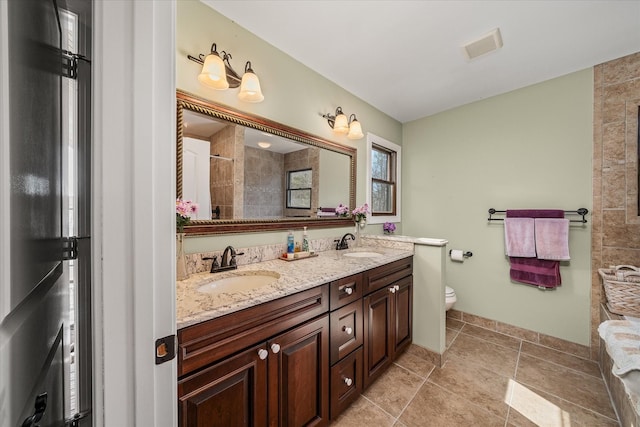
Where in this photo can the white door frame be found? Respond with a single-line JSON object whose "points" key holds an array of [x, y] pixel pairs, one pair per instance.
{"points": [[133, 198]]}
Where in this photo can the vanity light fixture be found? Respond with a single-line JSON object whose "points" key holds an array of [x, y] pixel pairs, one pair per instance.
{"points": [[218, 74], [355, 129], [340, 124]]}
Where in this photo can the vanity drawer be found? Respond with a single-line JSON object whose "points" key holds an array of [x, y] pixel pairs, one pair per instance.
{"points": [[346, 330], [345, 291], [346, 382], [210, 341], [385, 275]]}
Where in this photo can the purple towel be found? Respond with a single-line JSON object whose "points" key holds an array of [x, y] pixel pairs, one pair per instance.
{"points": [[538, 272]]}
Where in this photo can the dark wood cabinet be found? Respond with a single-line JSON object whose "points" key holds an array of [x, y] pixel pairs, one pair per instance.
{"points": [[388, 312], [299, 376], [230, 393], [297, 360]]}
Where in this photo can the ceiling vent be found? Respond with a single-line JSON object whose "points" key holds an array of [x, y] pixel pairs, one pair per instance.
{"points": [[488, 43]]}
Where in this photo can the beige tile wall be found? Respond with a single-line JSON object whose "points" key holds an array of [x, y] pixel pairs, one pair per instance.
{"points": [[616, 224]]}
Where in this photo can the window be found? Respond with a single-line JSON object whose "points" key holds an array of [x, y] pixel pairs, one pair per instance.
{"points": [[383, 179], [299, 189]]}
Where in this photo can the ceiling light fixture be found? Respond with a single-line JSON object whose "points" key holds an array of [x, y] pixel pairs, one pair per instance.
{"points": [[264, 144], [218, 74], [340, 124]]}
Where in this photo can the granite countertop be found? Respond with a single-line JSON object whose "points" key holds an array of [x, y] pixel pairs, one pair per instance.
{"points": [[194, 307]]}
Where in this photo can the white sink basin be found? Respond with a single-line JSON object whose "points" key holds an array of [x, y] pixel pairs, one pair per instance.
{"points": [[239, 282], [363, 254]]}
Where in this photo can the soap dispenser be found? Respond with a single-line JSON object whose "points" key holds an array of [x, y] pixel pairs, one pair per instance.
{"points": [[290, 242], [305, 241]]}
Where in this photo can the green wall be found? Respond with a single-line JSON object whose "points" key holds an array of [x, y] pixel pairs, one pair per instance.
{"points": [[294, 95], [529, 148]]}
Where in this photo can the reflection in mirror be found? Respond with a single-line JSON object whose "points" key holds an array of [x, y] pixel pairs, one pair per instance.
{"points": [[243, 169]]}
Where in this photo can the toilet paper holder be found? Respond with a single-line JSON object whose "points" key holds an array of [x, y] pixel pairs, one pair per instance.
{"points": [[466, 254]]}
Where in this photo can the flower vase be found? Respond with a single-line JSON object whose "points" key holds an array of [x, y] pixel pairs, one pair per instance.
{"points": [[359, 226], [181, 262]]}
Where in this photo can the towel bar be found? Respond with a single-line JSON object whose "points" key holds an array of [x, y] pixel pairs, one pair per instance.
{"points": [[581, 211]]}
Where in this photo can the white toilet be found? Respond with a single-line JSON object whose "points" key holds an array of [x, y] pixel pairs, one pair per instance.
{"points": [[450, 298]]}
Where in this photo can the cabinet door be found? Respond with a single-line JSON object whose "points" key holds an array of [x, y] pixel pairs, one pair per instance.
{"points": [[299, 376], [378, 342], [403, 309], [230, 393]]}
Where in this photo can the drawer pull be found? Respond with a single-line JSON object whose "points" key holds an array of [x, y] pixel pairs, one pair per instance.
{"points": [[262, 354], [348, 290], [347, 381], [275, 348], [347, 329]]}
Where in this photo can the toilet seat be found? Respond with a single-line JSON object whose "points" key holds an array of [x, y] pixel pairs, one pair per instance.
{"points": [[449, 291]]}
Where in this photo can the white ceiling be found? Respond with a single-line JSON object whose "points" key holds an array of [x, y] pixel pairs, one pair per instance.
{"points": [[405, 57]]}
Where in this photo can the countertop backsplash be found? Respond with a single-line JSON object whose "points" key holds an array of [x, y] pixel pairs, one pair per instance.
{"points": [[253, 254]]}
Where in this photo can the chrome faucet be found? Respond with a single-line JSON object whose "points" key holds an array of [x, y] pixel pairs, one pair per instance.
{"points": [[227, 261], [343, 243]]}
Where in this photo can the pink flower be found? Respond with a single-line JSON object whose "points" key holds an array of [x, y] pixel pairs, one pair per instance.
{"points": [[185, 209]]}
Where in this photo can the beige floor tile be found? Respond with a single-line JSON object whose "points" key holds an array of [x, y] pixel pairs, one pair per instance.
{"points": [[565, 359], [451, 335], [533, 407], [492, 336], [575, 387], [413, 362], [434, 406], [481, 386], [454, 323], [364, 413], [394, 389], [496, 358]]}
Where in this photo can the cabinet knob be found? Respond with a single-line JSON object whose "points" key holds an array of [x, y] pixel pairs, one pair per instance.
{"points": [[348, 290], [347, 329], [392, 289], [262, 354], [397, 287], [275, 347], [348, 381]]}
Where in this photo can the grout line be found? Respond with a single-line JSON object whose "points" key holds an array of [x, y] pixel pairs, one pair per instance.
{"points": [[413, 397], [395, 420]]}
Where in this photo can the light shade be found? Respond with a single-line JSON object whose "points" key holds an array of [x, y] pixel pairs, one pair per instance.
{"points": [[213, 72], [250, 87], [355, 129], [341, 123]]}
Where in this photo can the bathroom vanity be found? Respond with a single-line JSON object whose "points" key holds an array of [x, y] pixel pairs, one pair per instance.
{"points": [[298, 352]]}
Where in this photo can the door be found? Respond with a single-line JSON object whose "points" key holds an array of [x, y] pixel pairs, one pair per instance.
{"points": [[230, 393], [299, 376], [378, 344], [34, 309], [196, 168]]}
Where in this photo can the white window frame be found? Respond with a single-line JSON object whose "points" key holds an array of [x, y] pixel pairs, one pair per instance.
{"points": [[379, 219]]}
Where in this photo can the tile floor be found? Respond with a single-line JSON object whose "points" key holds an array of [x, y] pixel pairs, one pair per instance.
{"points": [[489, 379]]}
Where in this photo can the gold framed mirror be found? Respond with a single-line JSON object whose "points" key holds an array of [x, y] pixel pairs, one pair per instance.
{"points": [[251, 174]]}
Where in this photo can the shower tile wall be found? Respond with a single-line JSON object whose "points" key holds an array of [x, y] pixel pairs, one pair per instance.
{"points": [[616, 224], [226, 182], [263, 183]]}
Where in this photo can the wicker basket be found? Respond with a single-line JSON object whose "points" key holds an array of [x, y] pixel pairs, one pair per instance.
{"points": [[622, 288]]}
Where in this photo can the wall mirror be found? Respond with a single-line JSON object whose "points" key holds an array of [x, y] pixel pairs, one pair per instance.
{"points": [[248, 173]]}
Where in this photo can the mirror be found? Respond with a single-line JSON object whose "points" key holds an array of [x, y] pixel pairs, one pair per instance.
{"points": [[251, 174]]}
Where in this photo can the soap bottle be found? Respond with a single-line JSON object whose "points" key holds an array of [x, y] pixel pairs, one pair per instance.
{"points": [[305, 241], [290, 242]]}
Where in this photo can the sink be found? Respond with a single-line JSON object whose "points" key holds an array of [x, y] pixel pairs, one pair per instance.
{"points": [[239, 282], [363, 254]]}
